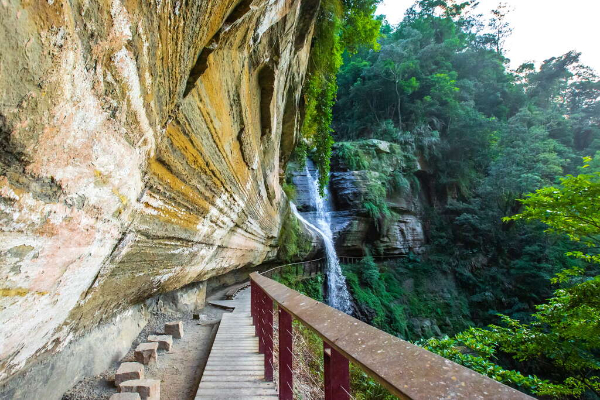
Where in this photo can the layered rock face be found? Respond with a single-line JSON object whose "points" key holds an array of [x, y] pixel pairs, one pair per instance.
{"points": [[402, 231], [141, 147]]}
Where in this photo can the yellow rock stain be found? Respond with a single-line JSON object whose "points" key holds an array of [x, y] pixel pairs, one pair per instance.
{"points": [[18, 292]]}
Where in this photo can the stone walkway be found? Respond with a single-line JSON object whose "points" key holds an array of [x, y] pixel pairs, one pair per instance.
{"points": [[235, 368]]}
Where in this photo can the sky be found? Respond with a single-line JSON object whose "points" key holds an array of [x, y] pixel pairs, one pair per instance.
{"points": [[541, 28]]}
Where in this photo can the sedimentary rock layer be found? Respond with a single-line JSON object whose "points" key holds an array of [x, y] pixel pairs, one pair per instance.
{"points": [[141, 148]]}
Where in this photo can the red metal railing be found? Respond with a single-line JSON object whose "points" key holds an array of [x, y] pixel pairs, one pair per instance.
{"points": [[406, 370]]}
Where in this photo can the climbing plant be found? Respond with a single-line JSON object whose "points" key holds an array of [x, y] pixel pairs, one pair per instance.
{"points": [[342, 25]]}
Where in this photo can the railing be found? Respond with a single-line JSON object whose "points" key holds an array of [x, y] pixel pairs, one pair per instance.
{"points": [[406, 370], [301, 270], [355, 260]]}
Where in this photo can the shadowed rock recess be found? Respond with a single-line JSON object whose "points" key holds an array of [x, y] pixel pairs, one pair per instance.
{"points": [[139, 153]]}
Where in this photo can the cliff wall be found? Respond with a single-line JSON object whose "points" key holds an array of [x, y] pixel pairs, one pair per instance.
{"points": [[141, 148], [384, 175]]}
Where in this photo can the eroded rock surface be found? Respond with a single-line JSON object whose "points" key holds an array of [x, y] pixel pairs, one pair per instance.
{"points": [[141, 144], [353, 227]]}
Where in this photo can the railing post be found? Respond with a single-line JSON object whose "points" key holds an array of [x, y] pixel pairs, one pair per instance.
{"points": [[286, 384], [253, 306], [260, 313], [337, 374], [268, 337]]}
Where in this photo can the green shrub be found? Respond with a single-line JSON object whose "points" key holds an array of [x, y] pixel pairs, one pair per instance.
{"points": [[354, 158], [369, 272], [289, 190], [311, 287], [292, 244], [375, 202]]}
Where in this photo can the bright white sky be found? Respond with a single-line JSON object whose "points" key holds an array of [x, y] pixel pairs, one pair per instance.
{"points": [[541, 28]]}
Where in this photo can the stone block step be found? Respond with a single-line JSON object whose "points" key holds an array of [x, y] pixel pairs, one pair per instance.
{"points": [[174, 329], [148, 389], [165, 342], [146, 353], [128, 371]]}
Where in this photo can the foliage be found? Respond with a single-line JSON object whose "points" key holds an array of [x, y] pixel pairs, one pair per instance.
{"points": [[375, 201], [385, 169], [363, 387], [310, 354], [372, 296], [562, 341], [484, 136], [382, 300], [564, 334], [311, 287], [292, 244], [290, 190], [479, 361], [341, 25], [572, 208]]}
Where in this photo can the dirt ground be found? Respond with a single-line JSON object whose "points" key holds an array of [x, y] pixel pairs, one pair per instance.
{"points": [[179, 370]]}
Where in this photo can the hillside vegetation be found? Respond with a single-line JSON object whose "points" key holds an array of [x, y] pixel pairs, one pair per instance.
{"points": [[471, 138]]}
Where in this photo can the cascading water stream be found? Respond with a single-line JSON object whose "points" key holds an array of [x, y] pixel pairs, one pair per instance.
{"points": [[337, 292]]}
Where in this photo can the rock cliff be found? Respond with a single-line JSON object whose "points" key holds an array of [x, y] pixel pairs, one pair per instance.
{"points": [[141, 148], [361, 171]]}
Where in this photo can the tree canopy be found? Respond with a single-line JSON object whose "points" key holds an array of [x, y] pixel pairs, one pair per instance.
{"points": [[439, 86]]}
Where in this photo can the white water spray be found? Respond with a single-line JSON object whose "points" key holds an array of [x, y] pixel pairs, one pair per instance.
{"points": [[337, 292]]}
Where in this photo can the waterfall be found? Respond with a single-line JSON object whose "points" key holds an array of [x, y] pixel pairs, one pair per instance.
{"points": [[337, 292]]}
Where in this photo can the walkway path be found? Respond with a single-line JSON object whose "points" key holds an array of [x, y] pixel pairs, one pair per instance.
{"points": [[235, 368]]}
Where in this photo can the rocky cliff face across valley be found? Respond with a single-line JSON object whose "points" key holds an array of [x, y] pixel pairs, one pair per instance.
{"points": [[141, 149], [361, 171]]}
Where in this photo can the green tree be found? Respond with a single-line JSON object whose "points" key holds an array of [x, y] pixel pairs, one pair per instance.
{"points": [[562, 343], [572, 208]]}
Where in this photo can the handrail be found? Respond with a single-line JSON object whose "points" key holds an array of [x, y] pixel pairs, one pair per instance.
{"points": [[311, 271], [355, 260], [406, 370]]}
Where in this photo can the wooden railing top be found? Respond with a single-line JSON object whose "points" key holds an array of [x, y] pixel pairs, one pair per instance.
{"points": [[408, 371]]}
